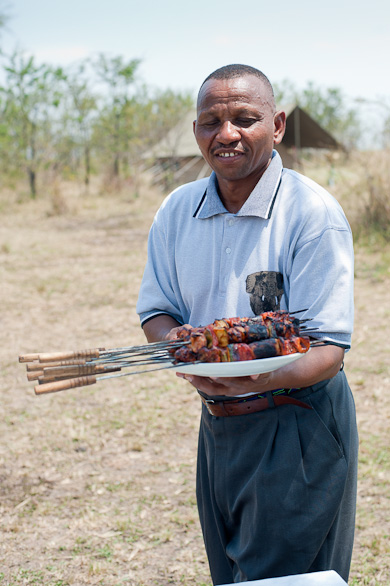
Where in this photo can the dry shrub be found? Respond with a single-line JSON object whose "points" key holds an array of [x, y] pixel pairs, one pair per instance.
{"points": [[361, 183], [377, 208], [129, 186], [111, 184], [365, 189], [58, 203]]}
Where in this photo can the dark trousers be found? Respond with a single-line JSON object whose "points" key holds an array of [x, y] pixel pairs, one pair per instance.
{"points": [[276, 489]]}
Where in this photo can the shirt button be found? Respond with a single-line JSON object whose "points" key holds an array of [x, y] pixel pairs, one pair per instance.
{"points": [[231, 222], [228, 250]]}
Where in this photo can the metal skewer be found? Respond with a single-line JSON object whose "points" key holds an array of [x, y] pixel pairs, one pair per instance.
{"points": [[72, 383], [73, 371], [96, 353], [65, 370]]}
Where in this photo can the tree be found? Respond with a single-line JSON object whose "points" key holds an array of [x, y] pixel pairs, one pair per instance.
{"points": [[169, 108], [115, 124], [4, 17], [380, 109], [328, 106], [80, 112], [285, 92], [59, 119], [28, 99]]}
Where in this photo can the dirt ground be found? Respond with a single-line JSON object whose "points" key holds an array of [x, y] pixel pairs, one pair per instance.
{"points": [[97, 484]]}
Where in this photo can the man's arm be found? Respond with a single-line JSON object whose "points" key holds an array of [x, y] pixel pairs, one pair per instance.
{"points": [[161, 327], [319, 364]]}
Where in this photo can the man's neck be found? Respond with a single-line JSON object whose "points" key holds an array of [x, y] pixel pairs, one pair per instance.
{"points": [[234, 194]]}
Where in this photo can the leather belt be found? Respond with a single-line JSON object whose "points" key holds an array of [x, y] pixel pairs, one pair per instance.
{"points": [[233, 407]]}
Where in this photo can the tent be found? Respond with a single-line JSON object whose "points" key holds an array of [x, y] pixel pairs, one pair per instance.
{"points": [[177, 159], [302, 132]]}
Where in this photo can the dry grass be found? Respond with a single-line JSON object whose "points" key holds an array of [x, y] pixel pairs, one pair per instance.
{"points": [[97, 484], [361, 182]]}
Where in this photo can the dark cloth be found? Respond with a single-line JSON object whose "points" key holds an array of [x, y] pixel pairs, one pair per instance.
{"points": [[276, 489]]}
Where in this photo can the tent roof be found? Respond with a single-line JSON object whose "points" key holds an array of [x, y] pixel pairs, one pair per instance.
{"points": [[301, 131], [179, 141]]}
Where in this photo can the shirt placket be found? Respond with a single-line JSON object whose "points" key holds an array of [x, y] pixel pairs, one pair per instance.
{"points": [[227, 253]]}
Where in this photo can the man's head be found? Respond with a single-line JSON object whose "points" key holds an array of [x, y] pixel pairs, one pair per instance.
{"points": [[239, 70], [237, 126]]}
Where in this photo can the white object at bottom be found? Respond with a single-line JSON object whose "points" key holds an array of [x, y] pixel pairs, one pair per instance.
{"points": [[328, 578]]}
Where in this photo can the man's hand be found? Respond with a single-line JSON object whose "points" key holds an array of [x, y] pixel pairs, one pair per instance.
{"points": [[317, 365], [172, 334], [229, 386]]}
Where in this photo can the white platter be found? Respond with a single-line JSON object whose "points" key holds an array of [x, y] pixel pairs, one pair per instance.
{"points": [[243, 368]]}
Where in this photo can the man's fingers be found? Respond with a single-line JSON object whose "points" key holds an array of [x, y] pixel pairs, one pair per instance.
{"points": [[186, 377]]}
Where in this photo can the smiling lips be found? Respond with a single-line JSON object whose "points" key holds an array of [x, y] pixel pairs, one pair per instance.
{"points": [[228, 154]]}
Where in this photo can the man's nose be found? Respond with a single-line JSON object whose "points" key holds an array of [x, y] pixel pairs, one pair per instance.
{"points": [[228, 133]]}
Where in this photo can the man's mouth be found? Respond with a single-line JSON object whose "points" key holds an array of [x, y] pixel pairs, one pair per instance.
{"points": [[228, 154]]}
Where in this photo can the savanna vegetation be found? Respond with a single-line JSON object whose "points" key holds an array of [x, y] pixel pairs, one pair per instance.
{"points": [[90, 119], [97, 485]]}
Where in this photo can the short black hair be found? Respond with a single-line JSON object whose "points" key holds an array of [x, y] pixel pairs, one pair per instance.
{"points": [[238, 70]]}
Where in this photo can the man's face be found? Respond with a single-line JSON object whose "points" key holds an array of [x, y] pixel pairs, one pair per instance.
{"points": [[237, 128]]}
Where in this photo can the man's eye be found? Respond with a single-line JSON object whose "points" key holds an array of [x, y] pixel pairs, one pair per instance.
{"points": [[210, 123], [245, 121]]}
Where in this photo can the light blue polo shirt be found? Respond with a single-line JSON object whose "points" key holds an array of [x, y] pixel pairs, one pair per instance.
{"points": [[289, 245]]}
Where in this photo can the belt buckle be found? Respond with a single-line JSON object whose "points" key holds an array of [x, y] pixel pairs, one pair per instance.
{"points": [[206, 402]]}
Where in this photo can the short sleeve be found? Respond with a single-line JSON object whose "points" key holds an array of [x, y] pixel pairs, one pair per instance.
{"points": [[156, 294], [321, 280]]}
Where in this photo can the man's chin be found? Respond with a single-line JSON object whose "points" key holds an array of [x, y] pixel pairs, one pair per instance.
{"points": [[231, 174]]}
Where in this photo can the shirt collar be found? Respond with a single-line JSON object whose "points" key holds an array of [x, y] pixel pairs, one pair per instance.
{"points": [[260, 201]]}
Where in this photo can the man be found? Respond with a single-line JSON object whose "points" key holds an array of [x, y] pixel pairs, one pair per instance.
{"points": [[276, 486]]}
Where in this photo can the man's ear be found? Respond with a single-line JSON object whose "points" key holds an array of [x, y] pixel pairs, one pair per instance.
{"points": [[279, 126]]}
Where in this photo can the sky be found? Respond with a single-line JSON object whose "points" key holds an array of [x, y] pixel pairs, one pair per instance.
{"points": [[337, 43]]}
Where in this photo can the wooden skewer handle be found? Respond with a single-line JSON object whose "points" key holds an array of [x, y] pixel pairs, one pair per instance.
{"points": [[28, 357], [64, 385], [49, 374], [40, 366], [34, 375], [54, 356], [77, 370]]}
